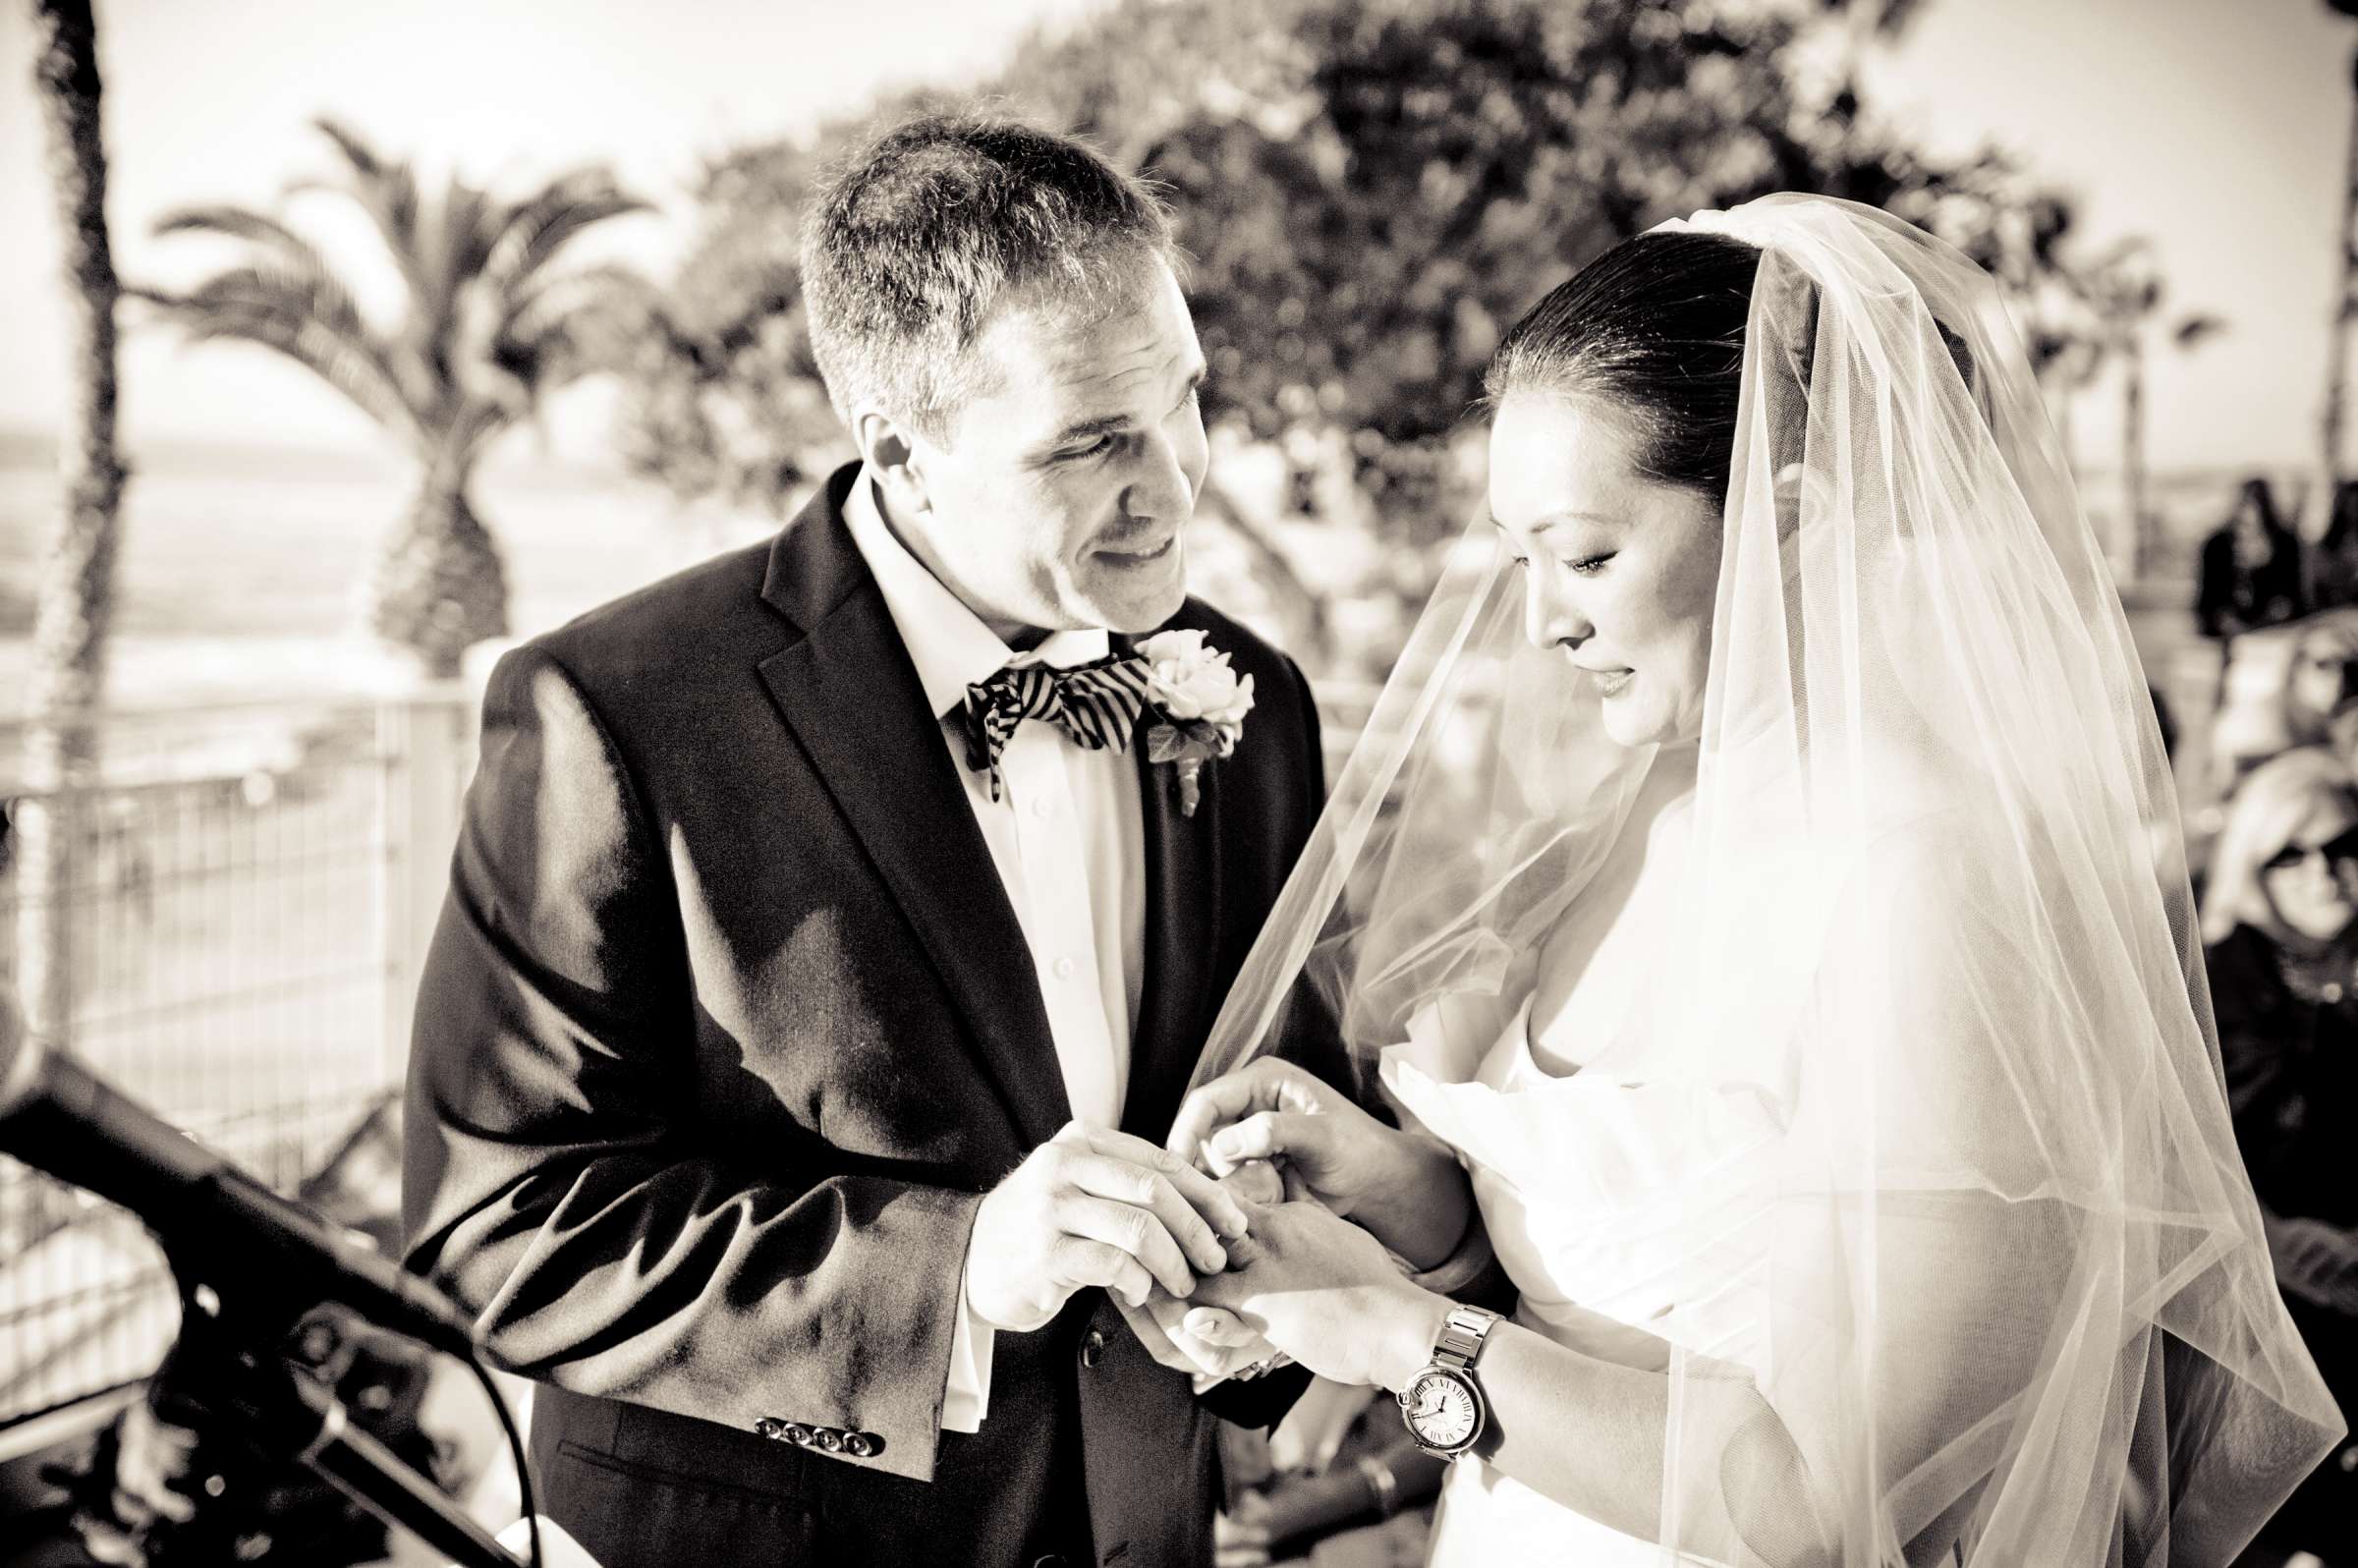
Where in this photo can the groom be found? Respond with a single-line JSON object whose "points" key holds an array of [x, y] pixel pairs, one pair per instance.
{"points": [[816, 983]]}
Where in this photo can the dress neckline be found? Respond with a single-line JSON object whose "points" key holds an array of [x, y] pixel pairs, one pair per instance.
{"points": [[1521, 1067]]}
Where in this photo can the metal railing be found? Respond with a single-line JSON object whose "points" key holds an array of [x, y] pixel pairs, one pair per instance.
{"points": [[245, 900]]}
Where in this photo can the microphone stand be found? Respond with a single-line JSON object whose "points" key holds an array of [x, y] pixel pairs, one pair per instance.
{"points": [[286, 1413]]}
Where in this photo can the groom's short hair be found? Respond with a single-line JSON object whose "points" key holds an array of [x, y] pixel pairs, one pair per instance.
{"points": [[926, 233]]}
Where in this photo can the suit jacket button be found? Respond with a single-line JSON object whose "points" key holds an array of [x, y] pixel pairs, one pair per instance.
{"points": [[797, 1434], [830, 1439], [859, 1444], [770, 1426], [1093, 1349], [1051, 1560]]}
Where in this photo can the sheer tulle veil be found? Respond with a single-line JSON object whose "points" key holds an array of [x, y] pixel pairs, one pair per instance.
{"points": [[1926, 975]]}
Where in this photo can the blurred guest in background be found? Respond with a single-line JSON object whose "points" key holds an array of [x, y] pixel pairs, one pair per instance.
{"points": [[1339, 1482], [2321, 688], [2282, 925], [2332, 563], [2250, 568]]}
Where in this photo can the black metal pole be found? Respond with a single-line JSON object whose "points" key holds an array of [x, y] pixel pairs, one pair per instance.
{"points": [[288, 1412], [244, 1383]]}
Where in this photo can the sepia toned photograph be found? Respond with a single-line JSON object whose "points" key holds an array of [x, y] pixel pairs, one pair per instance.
{"points": [[1179, 784]]}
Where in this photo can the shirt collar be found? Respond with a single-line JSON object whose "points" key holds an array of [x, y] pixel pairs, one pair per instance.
{"points": [[948, 643]]}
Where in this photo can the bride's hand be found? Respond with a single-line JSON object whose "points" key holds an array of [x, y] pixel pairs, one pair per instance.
{"points": [[1405, 1189], [1224, 1346], [1323, 1291]]}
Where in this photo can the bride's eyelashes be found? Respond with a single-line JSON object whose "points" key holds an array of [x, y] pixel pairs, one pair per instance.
{"points": [[1586, 565]]}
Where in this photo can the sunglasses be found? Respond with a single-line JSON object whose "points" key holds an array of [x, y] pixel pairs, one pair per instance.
{"points": [[2340, 849]]}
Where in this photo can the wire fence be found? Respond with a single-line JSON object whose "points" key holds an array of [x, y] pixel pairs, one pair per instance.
{"points": [[244, 899]]}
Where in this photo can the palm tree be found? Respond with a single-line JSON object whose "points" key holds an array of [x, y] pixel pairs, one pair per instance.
{"points": [[2121, 291], [77, 594], [487, 330], [2345, 290]]}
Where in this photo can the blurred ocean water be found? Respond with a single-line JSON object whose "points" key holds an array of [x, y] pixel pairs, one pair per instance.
{"points": [[241, 570]]}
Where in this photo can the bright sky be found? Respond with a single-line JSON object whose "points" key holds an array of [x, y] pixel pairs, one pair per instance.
{"points": [[2217, 126]]}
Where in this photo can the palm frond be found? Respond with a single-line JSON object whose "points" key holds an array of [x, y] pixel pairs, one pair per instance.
{"points": [[302, 281], [537, 228], [303, 315], [559, 355], [451, 245], [2195, 330], [242, 223], [470, 222], [385, 187], [290, 250], [480, 422], [609, 291]]}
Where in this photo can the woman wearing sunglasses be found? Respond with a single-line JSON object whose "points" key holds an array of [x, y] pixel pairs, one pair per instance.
{"points": [[2281, 922]]}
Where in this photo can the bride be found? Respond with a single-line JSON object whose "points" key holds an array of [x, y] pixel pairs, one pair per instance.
{"points": [[1743, 897]]}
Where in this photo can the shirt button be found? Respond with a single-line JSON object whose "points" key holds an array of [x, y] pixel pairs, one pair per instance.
{"points": [[1064, 968], [1042, 808]]}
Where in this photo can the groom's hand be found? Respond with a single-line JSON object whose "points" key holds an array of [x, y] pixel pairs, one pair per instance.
{"points": [[1408, 1190], [1092, 1207], [1228, 1346]]}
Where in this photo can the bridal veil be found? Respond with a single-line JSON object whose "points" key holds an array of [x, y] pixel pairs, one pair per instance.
{"points": [[2009, 1280]]}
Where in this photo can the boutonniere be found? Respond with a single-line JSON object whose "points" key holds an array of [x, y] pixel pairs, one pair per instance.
{"points": [[1200, 706]]}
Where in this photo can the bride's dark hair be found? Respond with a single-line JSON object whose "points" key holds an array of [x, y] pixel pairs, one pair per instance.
{"points": [[1655, 329]]}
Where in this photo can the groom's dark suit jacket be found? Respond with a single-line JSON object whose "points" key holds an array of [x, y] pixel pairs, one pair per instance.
{"points": [[728, 1026]]}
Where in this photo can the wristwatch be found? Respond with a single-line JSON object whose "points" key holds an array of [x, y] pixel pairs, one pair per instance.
{"points": [[1443, 1404]]}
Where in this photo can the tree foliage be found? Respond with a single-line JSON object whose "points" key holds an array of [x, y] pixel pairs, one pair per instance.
{"points": [[1370, 189]]}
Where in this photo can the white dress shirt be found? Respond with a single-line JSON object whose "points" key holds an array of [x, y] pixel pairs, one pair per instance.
{"points": [[1068, 838]]}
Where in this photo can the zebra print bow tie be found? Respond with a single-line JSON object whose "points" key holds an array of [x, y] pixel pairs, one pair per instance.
{"points": [[1097, 705]]}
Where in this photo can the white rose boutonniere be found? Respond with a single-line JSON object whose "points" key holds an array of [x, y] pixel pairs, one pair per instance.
{"points": [[1200, 706]]}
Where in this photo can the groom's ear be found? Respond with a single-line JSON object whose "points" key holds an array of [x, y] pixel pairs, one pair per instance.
{"points": [[893, 457]]}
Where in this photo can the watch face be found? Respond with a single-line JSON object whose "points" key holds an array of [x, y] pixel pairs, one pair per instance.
{"points": [[1440, 1410]]}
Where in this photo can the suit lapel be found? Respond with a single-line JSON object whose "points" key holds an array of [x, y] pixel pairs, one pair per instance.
{"points": [[850, 696], [1182, 943]]}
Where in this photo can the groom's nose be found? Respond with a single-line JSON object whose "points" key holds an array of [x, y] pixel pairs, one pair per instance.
{"points": [[1165, 489]]}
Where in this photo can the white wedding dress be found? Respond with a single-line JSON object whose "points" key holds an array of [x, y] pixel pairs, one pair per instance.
{"points": [[1638, 1202]]}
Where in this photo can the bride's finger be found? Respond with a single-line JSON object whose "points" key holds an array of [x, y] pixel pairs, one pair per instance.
{"points": [[1268, 1134], [1215, 1326], [1256, 1181], [1264, 1084]]}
